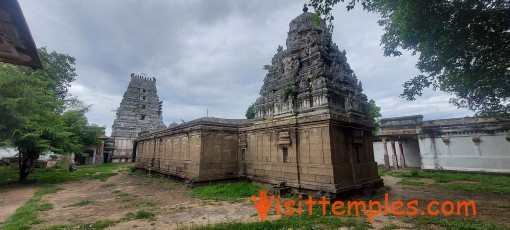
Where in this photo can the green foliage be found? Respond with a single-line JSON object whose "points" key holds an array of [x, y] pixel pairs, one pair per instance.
{"points": [[250, 112], [82, 203], [33, 111], [141, 214], [287, 90], [226, 191], [315, 19], [462, 46], [98, 225], [266, 67], [374, 112], [294, 222], [44, 207]]}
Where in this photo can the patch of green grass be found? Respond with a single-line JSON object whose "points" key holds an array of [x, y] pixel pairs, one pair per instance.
{"points": [[26, 215], [412, 183], [102, 224], [44, 207], [225, 191], [107, 185], [102, 172], [294, 222], [485, 183], [82, 203], [455, 223], [391, 227], [141, 214], [123, 196]]}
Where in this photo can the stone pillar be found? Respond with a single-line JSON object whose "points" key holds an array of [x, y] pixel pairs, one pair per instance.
{"points": [[394, 155], [402, 158], [386, 157]]}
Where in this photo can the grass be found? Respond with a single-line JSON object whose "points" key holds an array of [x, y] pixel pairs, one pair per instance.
{"points": [[455, 223], [44, 207], [102, 224], [141, 214], [10, 174], [499, 184], [294, 222], [26, 215], [123, 196], [304, 221], [226, 191], [140, 204], [107, 185], [82, 203]]}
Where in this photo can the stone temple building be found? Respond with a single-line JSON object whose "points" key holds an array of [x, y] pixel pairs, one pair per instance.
{"points": [[311, 128], [140, 110]]}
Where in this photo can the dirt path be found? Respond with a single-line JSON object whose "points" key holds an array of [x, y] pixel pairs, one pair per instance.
{"points": [[89, 201], [12, 197], [124, 193]]}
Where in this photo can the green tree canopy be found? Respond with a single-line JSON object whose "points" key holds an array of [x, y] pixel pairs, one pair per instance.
{"points": [[250, 112], [33, 114], [374, 112], [463, 47]]}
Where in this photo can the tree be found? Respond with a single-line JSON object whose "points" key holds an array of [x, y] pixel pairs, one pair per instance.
{"points": [[32, 117], [250, 112], [463, 47], [374, 112]]}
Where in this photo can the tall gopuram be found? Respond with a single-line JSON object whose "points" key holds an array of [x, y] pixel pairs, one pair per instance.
{"points": [[312, 127], [140, 110]]}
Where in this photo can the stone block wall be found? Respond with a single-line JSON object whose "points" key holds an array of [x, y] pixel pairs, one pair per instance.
{"points": [[177, 155], [319, 156]]}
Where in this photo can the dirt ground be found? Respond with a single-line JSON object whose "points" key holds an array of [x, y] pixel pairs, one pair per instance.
{"points": [[175, 208], [12, 197]]}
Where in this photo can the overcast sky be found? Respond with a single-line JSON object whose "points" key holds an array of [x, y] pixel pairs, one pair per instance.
{"points": [[208, 54]]}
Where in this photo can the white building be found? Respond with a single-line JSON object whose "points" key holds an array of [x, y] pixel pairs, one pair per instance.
{"points": [[458, 144]]}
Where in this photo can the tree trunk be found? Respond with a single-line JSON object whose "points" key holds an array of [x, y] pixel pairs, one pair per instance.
{"points": [[27, 163]]}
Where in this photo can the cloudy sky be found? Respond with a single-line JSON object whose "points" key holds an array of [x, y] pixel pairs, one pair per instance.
{"points": [[208, 54]]}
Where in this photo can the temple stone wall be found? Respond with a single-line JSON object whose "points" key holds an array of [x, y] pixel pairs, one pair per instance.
{"points": [[177, 155], [201, 150], [458, 144]]}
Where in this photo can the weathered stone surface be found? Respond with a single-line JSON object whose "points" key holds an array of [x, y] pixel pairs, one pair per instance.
{"points": [[311, 75]]}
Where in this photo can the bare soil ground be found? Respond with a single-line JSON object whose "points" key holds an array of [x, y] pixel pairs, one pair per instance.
{"points": [[13, 197], [176, 208]]}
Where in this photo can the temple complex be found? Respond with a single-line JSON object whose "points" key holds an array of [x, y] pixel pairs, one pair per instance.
{"points": [[311, 130], [140, 110]]}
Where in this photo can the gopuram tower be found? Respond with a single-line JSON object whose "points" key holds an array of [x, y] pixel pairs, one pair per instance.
{"points": [[140, 111], [311, 128]]}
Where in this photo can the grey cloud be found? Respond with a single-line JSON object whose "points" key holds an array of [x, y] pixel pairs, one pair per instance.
{"points": [[205, 54]]}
